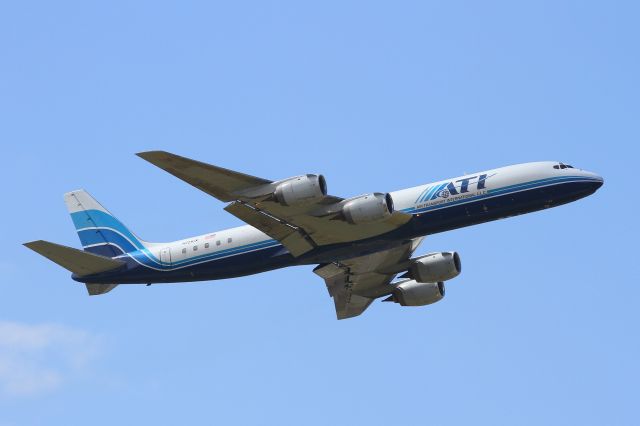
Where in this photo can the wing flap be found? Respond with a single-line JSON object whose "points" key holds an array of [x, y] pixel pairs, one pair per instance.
{"points": [[97, 289], [323, 230], [355, 283], [290, 236], [338, 281], [349, 305]]}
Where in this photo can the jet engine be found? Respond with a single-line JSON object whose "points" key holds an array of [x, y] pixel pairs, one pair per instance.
{"points": [[368, 208], [300, 189], [435, 267], [413, 293]]}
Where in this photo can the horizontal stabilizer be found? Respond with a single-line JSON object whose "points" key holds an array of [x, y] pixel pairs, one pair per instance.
{"points": [[290, 236], [77, 261]]}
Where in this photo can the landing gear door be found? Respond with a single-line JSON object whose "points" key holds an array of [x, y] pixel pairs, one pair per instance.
{"points": [[165, 256]]}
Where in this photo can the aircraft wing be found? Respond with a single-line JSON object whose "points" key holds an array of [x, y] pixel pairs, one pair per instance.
{"points": [[299, 228], [356, 282], [215, 181]]}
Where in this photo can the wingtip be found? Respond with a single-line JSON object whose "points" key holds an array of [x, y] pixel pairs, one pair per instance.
{"points": [[149, 154], [30, 244], [156, 157]]}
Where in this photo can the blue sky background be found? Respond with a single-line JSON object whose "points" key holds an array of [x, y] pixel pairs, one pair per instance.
{"points": [[541, 327]]}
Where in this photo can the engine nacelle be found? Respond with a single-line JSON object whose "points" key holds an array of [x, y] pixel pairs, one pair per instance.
{"points": [[301, 189], [413, 293], [436, 267], [368, 208]]}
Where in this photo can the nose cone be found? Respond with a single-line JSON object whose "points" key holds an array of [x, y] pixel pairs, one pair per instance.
{"points": [[598, 181], [593, 182]]}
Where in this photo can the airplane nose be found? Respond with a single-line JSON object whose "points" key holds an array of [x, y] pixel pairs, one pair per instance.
{"points": [[596, 181], [599, 181]]}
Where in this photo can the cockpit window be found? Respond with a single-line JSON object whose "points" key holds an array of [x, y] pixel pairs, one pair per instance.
{"points": [[562, 166]]}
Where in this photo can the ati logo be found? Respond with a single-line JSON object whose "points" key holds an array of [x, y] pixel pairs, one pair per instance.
{"points": [[447, 189]]}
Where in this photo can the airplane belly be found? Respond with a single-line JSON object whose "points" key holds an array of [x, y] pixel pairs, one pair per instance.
{"points": [[253, 262]]}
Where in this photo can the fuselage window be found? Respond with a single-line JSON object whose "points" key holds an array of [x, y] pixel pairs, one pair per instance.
{"points": [[206, 245], [195, 248], [229, 240], [218, 242], [184, 251]]}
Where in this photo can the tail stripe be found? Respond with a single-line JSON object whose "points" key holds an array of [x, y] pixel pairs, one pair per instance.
{"points": [[105, 249], [143, 256], [96, 219], [95, 236], [137, 256], [91, 236], [101, 233]]}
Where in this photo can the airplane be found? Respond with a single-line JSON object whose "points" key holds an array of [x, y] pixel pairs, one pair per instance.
{"points": [[363, 246]]}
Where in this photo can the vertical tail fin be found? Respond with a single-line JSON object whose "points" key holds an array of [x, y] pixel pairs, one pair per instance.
{"points": [[99, 231]]}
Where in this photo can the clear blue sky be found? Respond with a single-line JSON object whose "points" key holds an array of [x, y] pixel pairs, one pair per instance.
{"points": [[540, 328]]}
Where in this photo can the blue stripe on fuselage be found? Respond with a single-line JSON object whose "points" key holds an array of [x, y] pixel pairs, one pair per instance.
{"points": [[105, 235], [501, 191], [143, 259], [99, 219]]}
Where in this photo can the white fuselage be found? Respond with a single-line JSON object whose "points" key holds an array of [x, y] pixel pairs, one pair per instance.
{"points": [[417, 200]]}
